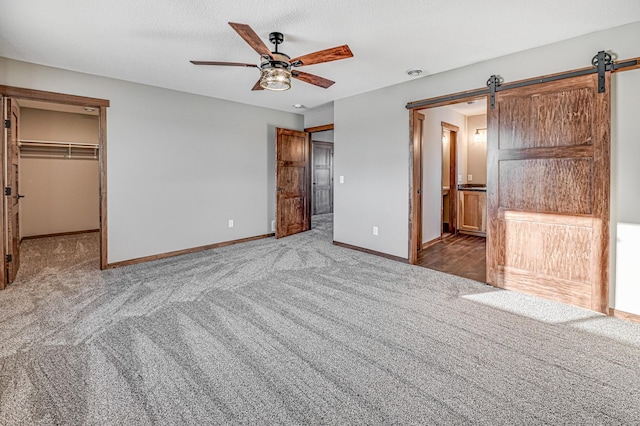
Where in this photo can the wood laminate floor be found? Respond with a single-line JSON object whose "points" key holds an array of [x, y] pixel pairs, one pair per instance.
{"points": [[461, 255]]}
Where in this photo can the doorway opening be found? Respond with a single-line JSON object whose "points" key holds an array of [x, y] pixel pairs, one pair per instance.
{"points": [[449, 161], [321, 175], [296, 197], [54, 174], [321, 169]]}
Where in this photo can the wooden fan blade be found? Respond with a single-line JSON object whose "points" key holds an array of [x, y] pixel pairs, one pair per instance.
{"points": [[328, 55], [257, 86], [228, 64], [313, 79], [251, 38]]}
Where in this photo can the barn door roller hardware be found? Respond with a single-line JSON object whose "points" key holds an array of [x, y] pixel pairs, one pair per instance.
{"points": [[602, 63], [494, 82]]}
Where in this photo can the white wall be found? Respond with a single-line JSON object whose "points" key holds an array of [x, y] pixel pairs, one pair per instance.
{"points": [[476, 151], [372, 156], [179, 165], [625, 201], [432, 165], [61, 195], [372, 137], [319, 117]]}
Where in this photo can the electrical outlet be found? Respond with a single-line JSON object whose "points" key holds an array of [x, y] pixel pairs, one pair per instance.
{"points": [[341, 179], [375, 230], [469, 178], [273, 226], [230, 223]]}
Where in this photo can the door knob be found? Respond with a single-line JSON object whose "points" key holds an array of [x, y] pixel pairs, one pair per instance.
{"points": [[279, 188]]}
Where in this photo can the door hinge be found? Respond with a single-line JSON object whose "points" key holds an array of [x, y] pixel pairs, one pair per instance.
{"points": [[7, 190], [7, 124], [9, 258]]}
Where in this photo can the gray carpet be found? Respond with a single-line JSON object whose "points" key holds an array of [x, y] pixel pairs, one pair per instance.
{"points": [[297, 331]]}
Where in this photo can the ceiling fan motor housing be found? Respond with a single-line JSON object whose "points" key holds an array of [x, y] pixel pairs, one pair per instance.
{"points": [[276, 38], [280, 60]]}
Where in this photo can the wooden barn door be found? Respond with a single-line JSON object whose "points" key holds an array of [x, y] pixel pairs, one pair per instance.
{"points": [[548, 191], [293, 208]]}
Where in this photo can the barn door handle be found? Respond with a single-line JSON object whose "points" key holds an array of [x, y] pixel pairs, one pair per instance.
{"points": [[20, 196]]}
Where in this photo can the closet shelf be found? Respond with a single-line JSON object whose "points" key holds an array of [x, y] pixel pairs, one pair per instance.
{"points": [[43, 148], [33, 142]]}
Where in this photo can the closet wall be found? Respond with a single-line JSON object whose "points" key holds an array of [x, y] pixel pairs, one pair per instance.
{"points": [[61, 190]]}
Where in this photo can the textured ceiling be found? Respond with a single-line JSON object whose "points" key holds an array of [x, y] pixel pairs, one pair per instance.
{"points": [[152, 41]]}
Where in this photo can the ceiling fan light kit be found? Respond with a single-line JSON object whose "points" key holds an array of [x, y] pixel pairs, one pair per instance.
{"points": [[275, 70], [276, 67], [277, 79]]}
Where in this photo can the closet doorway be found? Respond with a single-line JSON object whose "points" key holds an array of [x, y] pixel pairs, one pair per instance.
{"points": [[54, 173], [58, 153]]}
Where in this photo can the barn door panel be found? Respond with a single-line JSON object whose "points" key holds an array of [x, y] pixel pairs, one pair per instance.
{"points": [[548, 191]]}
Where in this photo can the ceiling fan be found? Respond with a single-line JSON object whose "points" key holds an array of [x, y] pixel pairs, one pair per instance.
{"points": [[276, 68]]}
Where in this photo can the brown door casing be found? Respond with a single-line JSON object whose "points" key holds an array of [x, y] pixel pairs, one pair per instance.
{"points": [[322, 195], [12, 204], [416, 126], [453, 174], [548, 191], [39, 95], [6, 113], [293, 182]]}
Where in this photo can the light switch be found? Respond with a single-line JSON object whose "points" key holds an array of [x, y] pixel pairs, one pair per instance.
{"points": [[469, 178], [341, 179]]}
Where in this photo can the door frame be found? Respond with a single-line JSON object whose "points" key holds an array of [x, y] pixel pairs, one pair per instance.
{"points": [[313, 172], [415, 164], [453, 181], [311, 131], [60, 98]]}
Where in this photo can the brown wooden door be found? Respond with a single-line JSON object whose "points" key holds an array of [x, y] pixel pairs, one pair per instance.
{"points": [[548, 191], [12, 206], [322, 177], [293, 212]]}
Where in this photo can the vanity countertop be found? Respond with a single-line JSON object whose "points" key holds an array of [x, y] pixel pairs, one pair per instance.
{"points": [[472, 187]]}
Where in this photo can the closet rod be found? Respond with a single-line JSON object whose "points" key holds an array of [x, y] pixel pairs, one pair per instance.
{"points": [[59, 143]]}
